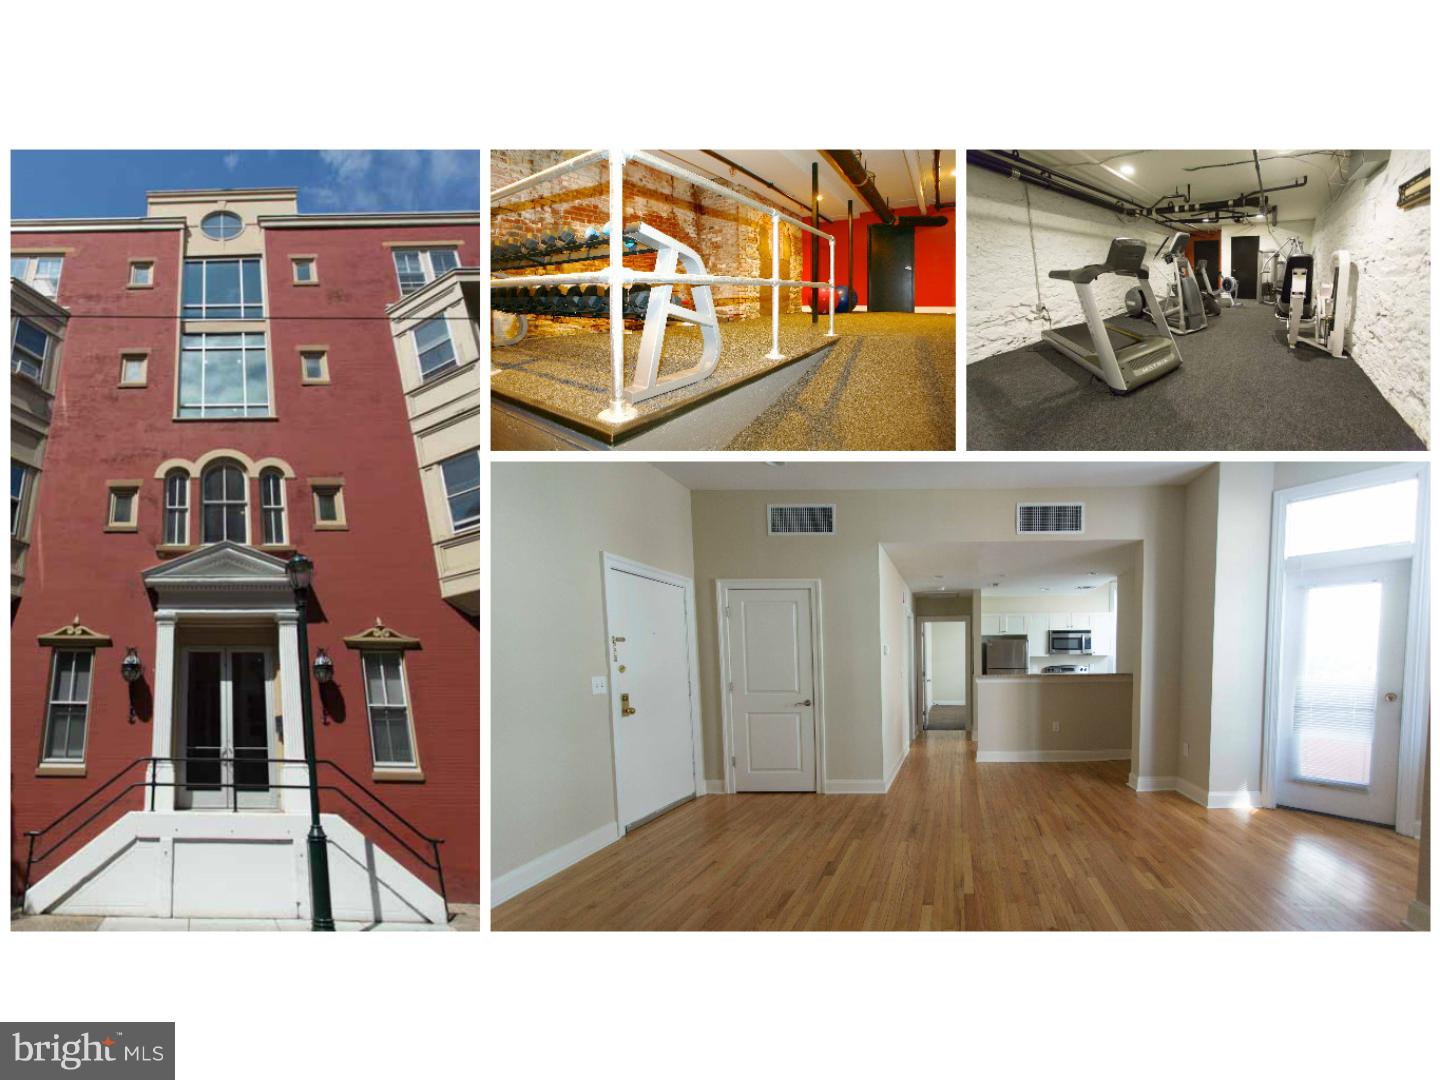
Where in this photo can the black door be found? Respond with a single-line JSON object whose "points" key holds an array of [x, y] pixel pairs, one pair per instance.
{"points": [[892, 269], [1209, 251], [1245, 265]]}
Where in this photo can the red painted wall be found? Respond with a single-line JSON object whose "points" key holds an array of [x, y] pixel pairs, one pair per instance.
{"points": [[384, 566], [934, 257]]}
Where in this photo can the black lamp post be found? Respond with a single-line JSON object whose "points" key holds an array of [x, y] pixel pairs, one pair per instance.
{"points": [[301, 571], [130, 670]]}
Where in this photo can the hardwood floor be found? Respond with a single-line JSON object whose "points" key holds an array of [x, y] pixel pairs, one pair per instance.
{"points": [[961, 846]]}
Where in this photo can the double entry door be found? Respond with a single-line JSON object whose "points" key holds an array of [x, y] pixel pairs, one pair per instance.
{"points": [[227, 730]]}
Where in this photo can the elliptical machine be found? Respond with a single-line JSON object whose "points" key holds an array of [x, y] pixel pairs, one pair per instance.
{"points": [[1184, 308], [1230, 290]]}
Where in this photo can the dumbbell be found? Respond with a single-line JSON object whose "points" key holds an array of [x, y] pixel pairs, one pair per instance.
{"points": [[591, 302]]}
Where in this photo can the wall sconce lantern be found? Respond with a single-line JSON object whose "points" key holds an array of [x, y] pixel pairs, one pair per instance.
{"points": [[131, 668], [324, 667]]}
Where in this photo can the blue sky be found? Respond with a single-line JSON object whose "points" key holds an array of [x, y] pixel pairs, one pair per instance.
{"points": [[112, 183]]}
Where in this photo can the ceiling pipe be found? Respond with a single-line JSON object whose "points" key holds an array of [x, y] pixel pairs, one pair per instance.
{"points": [[761, 180], [1259, 179], [1017, 168], [848, 164], [939, 202], [912, 165]]}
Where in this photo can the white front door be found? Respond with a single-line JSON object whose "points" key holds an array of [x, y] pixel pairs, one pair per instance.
{"points": [[1343, 662], [226, 730], [927, 664], [649, 626], [771, 688]]}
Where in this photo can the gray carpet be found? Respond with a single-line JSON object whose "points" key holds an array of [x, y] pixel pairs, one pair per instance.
{"points": [[946, 718], [1240, 388]]}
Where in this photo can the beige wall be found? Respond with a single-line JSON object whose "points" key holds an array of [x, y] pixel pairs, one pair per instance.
{"points": [[731, 541], [1093, 712], [895, 607], [1202, 510], [550, 738]]}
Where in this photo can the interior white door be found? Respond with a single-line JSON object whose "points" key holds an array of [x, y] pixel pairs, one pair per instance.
{"points": [[771, 688], [1342, 666], [927, 676], [649, 627]]}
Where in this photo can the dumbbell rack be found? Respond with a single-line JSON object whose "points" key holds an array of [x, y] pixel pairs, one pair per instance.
{"points": [[561, 254], [663, 278]]}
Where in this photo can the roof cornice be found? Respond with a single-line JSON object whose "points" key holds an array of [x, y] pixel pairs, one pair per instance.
{"points": [[351, 221], [140, 224], [186, 194]]}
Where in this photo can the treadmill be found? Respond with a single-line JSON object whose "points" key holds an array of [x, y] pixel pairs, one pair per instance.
{"points": [[1123, 358]]}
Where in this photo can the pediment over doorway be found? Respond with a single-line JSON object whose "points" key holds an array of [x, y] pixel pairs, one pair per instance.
{"points": [[224, 567]]}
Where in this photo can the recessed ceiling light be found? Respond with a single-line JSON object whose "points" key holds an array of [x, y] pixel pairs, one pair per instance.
{"points": [[1127, 170], [775, 464]]}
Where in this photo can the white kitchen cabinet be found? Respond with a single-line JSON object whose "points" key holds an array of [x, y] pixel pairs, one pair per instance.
{"points": [[1102, 634], [1038, 630], [1013, 624], [989, 624]]}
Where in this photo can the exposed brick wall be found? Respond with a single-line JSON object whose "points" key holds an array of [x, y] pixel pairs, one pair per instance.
{"points": [[730, 238], [1390, 336], [1000, 272]]}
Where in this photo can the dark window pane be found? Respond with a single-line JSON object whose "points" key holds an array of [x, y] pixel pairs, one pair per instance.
{"points": [[234, 484], [465, 508], [325, 503], [235, 524], [214, 525], [222, 283], [194, 281]]}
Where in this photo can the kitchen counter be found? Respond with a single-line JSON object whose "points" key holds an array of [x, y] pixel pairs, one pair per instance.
{"points": [[1086, 675], [1053, 717]]}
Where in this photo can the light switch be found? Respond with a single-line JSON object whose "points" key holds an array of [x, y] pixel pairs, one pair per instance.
{"points": [[1054, 725], [599, 684]]}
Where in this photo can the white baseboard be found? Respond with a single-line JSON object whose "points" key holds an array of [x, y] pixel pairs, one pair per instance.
{"points": [[896, 770], [512, 884], [1152, 783], [854, 787], [1232, 800], [1418, 918], [934, 311], [1052, 755], [714, 787], [1194, 792]]}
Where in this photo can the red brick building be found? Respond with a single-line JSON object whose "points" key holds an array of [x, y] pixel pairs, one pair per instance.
{"points": [[237, 382]]}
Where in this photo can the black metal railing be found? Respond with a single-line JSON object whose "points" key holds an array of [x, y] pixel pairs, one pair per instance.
{"points": [[152, 782]]}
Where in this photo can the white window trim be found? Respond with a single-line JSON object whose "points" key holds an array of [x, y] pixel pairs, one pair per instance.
{"points": [[244, 349], [18, 502], [32, 262], [467, 526], [245, 499], [222, 214], [171, 508], [242, 304], [51, 701], [427, 265], [148, 265], [1415, 693], [15, 344], [281, 506], [390, 766], [428, 377], [117, 488]]}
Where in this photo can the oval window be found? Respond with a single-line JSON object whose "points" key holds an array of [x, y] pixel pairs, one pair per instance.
{"points": [[222, 225]]}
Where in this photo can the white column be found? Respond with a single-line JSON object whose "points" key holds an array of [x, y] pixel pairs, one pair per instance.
{"points": [[619, 409], [162, 724], [294, 799], [775, 353], [831, 332]]}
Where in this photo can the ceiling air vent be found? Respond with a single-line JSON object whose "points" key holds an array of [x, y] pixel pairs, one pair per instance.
{"points": [[816, 519], [1050, 517]]}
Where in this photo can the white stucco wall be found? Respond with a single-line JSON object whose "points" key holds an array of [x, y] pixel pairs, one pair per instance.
{"points": [[1391, 331], [1000, 272]]}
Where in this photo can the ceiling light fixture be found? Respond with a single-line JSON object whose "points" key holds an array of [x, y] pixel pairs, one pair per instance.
{"points": [[1127, 170]]}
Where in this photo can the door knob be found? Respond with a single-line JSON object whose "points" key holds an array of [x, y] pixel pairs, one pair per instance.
{"points": [[1392, 696], [626, 709], [806, 703]]}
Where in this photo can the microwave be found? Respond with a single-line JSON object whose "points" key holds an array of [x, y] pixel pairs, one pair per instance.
{"points": [[1070, 641]]}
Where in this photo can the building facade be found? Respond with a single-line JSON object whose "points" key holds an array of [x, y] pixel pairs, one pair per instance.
{"points": [[229, 396]]}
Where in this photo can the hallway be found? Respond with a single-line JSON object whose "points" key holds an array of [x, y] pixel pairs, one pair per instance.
{"points": [[956, 845]]}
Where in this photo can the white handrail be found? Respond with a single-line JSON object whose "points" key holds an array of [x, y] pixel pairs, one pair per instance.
{"points": [[616, 276]]}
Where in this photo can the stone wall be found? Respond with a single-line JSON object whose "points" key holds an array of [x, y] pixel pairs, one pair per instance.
{"points": [[1004, 256], [1390, 335]]}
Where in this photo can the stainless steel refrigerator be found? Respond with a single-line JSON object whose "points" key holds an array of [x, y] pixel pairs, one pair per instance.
{"points": [[1005, 654]]}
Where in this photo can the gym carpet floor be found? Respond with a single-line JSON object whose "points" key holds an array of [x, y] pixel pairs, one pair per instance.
{"points": [[1240, 388], [888, 383]]}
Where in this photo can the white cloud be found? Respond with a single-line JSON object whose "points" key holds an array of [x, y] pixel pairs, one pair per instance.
{"points": [[367, 180], [231, 160]]}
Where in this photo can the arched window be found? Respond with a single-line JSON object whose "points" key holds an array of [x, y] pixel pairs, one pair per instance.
{"points": [[223, 504], [177, 507], [272, 506]]}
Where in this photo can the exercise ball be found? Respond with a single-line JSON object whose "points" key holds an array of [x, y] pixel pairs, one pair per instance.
{"points": [[845, 300]]}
